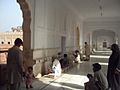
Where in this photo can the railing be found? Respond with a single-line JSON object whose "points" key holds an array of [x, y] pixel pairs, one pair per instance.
{"points": [[3, 51]]}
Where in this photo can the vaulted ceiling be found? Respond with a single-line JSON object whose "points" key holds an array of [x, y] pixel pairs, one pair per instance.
{"points": [[96, 8]]}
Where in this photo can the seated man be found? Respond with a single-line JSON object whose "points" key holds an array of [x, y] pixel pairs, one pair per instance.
{"points": [[101, 80], [90, 85], [64, 61], [77, 56], [56, 67]]}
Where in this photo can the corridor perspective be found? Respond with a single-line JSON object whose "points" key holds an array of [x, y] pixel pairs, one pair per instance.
{"points": [[58, 28]]}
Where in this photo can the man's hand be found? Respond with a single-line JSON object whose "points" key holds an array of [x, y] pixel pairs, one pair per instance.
{"points": [[117, 71]]}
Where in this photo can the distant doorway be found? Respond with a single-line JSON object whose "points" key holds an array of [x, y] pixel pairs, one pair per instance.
{"points": [[104, 44]]}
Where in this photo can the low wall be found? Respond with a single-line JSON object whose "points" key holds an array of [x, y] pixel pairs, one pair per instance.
{"points": [[43, 65]]}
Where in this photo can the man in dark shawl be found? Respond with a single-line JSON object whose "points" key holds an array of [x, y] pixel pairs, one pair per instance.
{"points": [[113, 73]]}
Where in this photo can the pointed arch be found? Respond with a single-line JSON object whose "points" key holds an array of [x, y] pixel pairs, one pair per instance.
{"points": [[26, 32]]}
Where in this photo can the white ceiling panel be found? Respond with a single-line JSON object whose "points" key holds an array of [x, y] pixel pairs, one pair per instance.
{"points": [[96, 8]]}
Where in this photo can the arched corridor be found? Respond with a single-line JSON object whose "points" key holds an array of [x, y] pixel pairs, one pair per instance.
{"points": [[53, 26]]}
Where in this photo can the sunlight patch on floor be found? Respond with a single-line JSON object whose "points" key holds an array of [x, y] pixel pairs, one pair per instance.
{"points": [[109, 51], [72, 82], [99, 56], [75, 79], [103, 63]]}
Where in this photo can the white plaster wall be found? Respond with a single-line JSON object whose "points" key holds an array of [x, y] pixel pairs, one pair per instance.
{"points": [[31, 4], [51, 19]]}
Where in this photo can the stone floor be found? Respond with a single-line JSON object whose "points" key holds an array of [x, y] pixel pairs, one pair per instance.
{"points": [[74, 79]]}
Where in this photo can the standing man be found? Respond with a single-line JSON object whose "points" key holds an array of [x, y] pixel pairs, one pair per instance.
{"points": [[15, 65], [113, 72], [87, 52]]}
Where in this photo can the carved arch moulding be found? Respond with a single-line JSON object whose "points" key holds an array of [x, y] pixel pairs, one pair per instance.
{"points": [[28, 56]]}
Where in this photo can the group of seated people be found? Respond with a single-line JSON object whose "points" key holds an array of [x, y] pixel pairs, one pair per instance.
{"points": [[61, 61], [96, 82]]}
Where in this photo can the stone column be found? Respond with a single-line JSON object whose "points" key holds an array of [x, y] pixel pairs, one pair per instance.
{"points": [[28, 56]]}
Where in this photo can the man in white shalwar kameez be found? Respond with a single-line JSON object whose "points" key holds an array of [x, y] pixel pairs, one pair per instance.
{"points": [[56, 67]]}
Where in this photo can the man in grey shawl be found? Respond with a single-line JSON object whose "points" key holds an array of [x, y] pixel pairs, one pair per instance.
{"points": [[15, 66]]}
